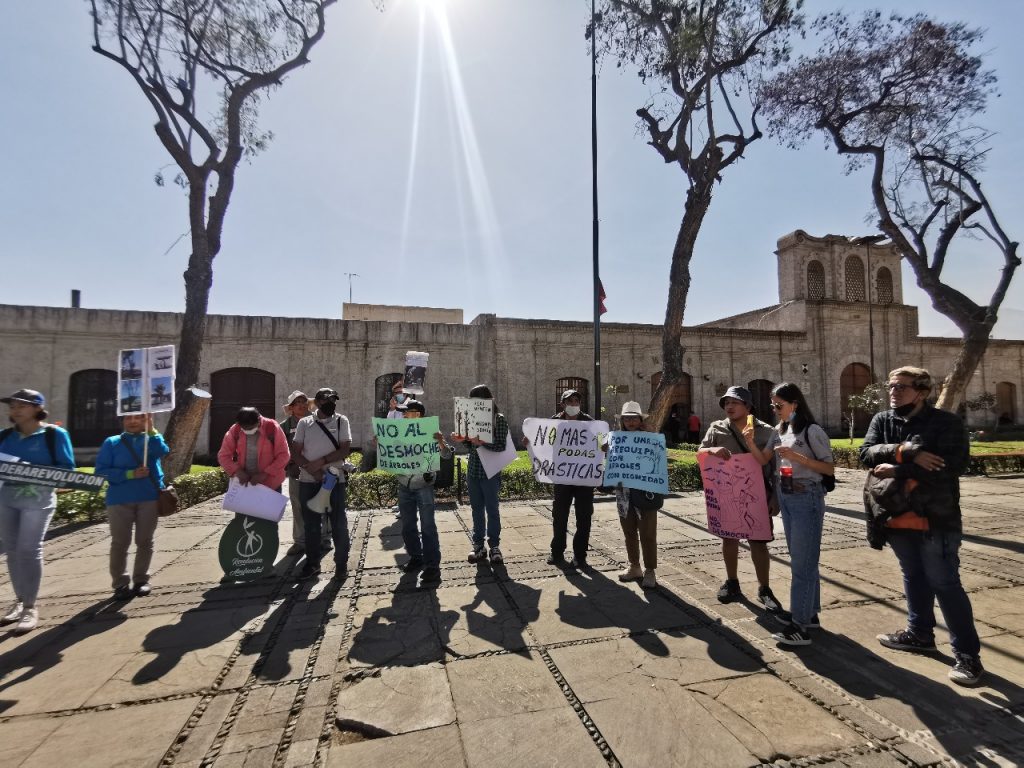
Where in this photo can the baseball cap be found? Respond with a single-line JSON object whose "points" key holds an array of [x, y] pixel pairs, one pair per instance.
{"points": [[567, 394], [29, 396], [631, 408], [294, 396], [737, 393], [413, 405], [326, 393]]}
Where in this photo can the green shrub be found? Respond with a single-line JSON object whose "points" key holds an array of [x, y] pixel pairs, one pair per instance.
{"points": [[846, 458]]}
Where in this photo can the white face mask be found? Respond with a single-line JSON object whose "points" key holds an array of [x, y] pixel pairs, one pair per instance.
{"points": [[252, 431], [572, 410]]}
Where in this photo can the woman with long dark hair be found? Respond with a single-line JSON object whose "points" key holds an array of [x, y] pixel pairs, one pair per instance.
{"points": [[803, 457]]}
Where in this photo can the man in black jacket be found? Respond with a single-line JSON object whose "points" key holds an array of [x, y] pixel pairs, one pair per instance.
{"points": [[925, 450], [565, 495]]}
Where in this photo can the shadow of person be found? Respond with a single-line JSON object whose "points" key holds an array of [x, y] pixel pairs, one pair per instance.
{"points": [[45, 649], [224, 610], [512, 605], [963, 724], [390, 535]]}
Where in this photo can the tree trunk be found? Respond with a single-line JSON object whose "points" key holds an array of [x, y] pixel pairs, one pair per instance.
{"points": [[698, 199], [954, 388], [188, 412]]}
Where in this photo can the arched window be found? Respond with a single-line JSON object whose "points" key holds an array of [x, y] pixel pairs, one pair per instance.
{"points": [[580, 385], [382, 393], [92, 416], [883, 291], [815, 281], [233, 388], [855, 288], [854, 378], [1006, 402], [761, 394]]}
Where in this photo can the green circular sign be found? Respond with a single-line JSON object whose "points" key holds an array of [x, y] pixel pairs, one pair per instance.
{"points": [[247, 548]]}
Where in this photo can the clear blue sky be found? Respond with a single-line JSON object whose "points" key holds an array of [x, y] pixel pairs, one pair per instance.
{"points": [[492, 211]]}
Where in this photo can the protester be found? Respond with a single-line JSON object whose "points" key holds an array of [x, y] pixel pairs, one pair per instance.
{"points": [[692, 428], [804, 447], [132, 491], [924, 450], [26, 509], [640, 527], [398, 397], [730, 435], [297, 409], [483, 491], [416, 495], [567, 495], [322, 442], [254, 450]]}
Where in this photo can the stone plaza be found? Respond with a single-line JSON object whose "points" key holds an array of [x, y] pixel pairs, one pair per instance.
{"points": [[522, 665]]}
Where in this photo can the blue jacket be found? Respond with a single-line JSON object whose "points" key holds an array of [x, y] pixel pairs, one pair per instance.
{"points": [[115, 461], [34, 449]]}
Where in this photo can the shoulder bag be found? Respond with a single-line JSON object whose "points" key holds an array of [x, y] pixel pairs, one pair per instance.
{"points": [[828, 482]]}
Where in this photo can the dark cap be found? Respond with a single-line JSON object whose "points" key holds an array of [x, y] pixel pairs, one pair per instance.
{"points": [[29, 396], [413, 405], [737, 393], [325, 393], [567, 394]]}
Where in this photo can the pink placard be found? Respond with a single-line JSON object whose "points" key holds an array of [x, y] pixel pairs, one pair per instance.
{"points": [[734, 494]]}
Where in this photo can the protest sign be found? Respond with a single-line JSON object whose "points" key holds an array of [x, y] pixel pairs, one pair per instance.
{"points": [[407, 446], [255, 500], [637, 460], [734, 495], [495, 461], [415, 371], [474, 417], [247, 548], [145, 380], [52, 477], [566, 451]]}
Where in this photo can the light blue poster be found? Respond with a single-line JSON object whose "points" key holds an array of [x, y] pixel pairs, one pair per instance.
{"points": [[637, 460]]}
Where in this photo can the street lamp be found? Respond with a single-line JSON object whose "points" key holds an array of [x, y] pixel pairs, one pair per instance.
{"points": [[350, 276]]}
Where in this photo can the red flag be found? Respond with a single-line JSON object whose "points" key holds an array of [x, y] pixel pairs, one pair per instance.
{"points": [[602, 296]]}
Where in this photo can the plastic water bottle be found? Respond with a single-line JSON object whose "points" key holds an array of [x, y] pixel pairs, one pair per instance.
{"points": [[786, 475]]}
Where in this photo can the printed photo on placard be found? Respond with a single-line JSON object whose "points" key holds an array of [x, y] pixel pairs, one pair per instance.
{"points": [[130, 397], [145, 380], [131, 363], [161, 361], [474, 417], [161, 393], [415, 372]]}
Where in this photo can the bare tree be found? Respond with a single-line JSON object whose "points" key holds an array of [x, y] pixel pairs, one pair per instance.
{"points": [[705, 58], [900, 96], [203, 66]]}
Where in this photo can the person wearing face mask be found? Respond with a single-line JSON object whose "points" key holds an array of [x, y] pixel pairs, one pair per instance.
{"points": [[254, 450], [566, 496], [640, 527], [806, 449], [131, 499], [297, 409], [924, 450]]}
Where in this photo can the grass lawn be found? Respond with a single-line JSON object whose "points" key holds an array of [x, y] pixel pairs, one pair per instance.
{"points": [[977, 449], [195, 470], [523, 459]]}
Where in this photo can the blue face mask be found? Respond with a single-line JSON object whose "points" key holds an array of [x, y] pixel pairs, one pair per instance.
{"points": [[792, 417]]}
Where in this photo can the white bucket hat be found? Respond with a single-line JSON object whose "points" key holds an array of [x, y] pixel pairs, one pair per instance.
{"points": [[631, 408], [293, 397]]}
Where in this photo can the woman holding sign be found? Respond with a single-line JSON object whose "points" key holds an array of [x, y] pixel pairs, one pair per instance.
{"points": [[26, 509], [740, 432], [132, 499], [640, 526], [807, 453]]}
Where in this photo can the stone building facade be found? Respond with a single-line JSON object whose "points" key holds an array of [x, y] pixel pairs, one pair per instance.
{"points": [[824, 334]]}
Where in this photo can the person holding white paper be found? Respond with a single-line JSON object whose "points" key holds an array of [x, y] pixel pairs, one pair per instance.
{"points": [[255, 450]]}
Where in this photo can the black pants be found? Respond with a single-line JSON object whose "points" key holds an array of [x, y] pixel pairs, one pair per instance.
{"points": [[565, 495]]}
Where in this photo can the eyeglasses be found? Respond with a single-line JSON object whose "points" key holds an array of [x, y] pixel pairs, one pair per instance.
{"points": [[899, 387]]}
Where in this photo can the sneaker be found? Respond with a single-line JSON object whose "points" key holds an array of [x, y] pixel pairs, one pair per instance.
{"points": [[413, 565], [905, 640], [308, 573], [477, 554], [650, 581], [496, 557], [124, 592], [633, 573], [430, 575], [142, 590], [28, 621], [729, 591], [579, 563], [792, 635], [785, 618], [768, 600], [558, 560], [13, 615], [967, 670], [340, 576]]}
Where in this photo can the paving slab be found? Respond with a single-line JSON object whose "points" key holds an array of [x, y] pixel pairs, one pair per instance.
{"points": [[436, 746], [397, 700], [492, 686], [557, 739]]}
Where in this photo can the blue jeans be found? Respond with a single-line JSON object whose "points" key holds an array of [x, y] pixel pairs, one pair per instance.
{"points": [[483, 496], [313, 523], [25, 512], [930, 562], [409, 500], [803, 517]]}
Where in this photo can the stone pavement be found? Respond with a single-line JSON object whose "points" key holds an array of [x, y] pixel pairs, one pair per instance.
{"points": [[520, 666]]}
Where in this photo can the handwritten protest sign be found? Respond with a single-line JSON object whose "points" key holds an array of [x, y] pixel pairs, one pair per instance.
{"points": [[52, 477], [415, 371], [637, 460], [566, 452], [145, 380], [734, 494], [407, 446], [474, 417]]}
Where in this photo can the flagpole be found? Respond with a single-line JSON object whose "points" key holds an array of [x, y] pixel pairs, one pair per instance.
{"points": [[593, 162]]}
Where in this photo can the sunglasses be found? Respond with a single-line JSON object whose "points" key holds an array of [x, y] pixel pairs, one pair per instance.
{"points": [[899, 387], [778, 406]]}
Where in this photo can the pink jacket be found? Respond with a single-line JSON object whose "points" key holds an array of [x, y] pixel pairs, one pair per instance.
{"points": [[272, 457]]}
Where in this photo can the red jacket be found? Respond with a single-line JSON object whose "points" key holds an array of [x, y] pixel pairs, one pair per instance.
{"points": [[272, 457]]}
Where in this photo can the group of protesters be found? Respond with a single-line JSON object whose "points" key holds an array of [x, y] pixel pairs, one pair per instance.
{"points": [[915, 453]]}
